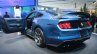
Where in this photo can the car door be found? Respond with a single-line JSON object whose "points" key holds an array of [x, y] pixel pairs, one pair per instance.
{"points": [[30, 24], [10, 25], [32, 16]]}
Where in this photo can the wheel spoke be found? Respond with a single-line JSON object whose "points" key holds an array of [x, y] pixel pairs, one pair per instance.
{"points": [[38, 37]]}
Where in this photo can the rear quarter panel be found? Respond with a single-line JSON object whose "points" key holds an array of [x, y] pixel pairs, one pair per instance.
{"points": [[47, 25]]}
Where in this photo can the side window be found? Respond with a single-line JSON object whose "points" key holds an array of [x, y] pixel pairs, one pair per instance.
{"points": [[35, 15], [32, 15], [38, 15]]}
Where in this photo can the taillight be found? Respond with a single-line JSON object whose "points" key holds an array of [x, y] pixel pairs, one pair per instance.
{"points": [[65, 25], [88, 23]]}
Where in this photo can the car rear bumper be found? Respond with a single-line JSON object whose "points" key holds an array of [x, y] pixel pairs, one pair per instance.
{"points": [[70, 42], [60, 37], [60, 42]]}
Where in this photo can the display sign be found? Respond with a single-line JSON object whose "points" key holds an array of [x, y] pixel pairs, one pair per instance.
{"points": [[4, 3]]}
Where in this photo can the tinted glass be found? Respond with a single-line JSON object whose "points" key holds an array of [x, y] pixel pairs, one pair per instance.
{"points": [[35, 15], [69, 14], [52, 13], [80, 14]]}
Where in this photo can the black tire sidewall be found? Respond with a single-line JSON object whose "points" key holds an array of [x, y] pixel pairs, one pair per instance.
{"points": [[42, 43]]}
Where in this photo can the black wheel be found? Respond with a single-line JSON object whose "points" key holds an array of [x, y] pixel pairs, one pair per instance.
{"points": [[39, 38], [80, 42]]}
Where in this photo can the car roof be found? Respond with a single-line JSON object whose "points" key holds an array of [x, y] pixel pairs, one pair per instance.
{"points": [[46, 15]]}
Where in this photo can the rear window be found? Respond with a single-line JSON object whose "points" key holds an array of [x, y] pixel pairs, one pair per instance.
{"points": [[80, 14], [69, 14], [52, 13]]}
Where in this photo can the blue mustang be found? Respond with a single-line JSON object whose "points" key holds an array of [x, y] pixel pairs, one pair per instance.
{"points": [[51, 28]]}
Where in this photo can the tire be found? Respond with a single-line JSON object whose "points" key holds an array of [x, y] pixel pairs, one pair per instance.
{"points": [[4, 26], [39, 38], [80, 42]]}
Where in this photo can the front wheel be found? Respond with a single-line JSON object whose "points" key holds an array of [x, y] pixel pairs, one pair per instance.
{"points": [[39, 37]]}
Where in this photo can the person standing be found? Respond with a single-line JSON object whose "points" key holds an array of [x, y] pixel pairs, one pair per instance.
{"points": [[6, 15], [93, 20], [17, 11]]}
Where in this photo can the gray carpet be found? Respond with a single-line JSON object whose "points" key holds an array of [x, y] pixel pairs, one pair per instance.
{"points": [[20, 44]]}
